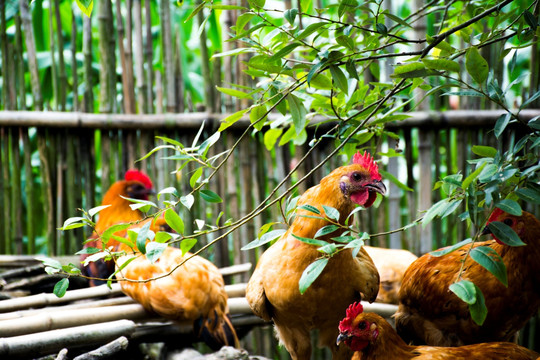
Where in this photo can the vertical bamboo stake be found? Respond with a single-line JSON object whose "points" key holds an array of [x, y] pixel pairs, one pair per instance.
{"points": [[179, 79], [126, 58], [16, 194], [535, 64], [107, 59], [26, 18], [46, 188], [231, 197], [19, 63], [74, 67], [54, 70], [149, 57], [166, 41], [394, 198], [60, 161], [61, 64], [435, 195], [3, 48], [139, 57], [6, 207], [205, 66], [29, 191], [88, 95], [159, 93], [227, 18]]}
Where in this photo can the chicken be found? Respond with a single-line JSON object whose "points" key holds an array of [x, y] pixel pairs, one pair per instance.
{"points": [[195, 292], [391, 264], [273, 290], [430, 314], [373, 338], [136, 185]]}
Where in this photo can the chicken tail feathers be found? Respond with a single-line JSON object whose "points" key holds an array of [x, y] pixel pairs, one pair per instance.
{"points": [[216, 331]]}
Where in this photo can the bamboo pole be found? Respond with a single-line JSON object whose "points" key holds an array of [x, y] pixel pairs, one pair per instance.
{"points": [[106, 351], [139, 57], [166, 41], [51, 341], [52, 49], [126, 58], [149, 56], [19, 63], [26, 18], [6, 205], [210, 98], [88, 94], [4, 49], [107, 60], [62, 77], [74, 67], [16, 193]]}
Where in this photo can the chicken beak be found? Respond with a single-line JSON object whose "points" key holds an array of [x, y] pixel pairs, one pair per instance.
{"points": [[342, 337], [485, 231], [377, 186]]}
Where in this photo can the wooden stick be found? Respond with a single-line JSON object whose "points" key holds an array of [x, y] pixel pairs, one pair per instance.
{"points": [[106, 351], [51, 341]]}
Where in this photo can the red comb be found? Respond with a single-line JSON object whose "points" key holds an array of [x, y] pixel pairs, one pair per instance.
{"points": [[367, 161], [136, 175], [352, 312], [495, 215]]}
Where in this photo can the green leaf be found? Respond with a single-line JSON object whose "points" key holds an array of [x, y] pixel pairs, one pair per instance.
{"points": [[290, 15], [61, 287], [195, 11], [154, 250], [310, 29], [484, 151], [235, 93], [530, 100], [529, 194], [270, 138], [476, 65], [435, 210], [449, 249], [282, 53], [328, 249], [412, 70], [310, 241], [298, 113], [210, 196], [491, 261], [258, 117], [310, 208], [331, 213], [311, 273], [464, 93], [86, 6], [510, 206], [339, 78], [50, 262], [93, 211], [206, 144], [195, 177], [472, 176], [487, 172], [265, 238], [396, 19], [162, 237], [186, 245], [479, 309], [169, 190], [505, 234], [257, 4], [74, 222], [328, 229], [142, 236], [530, 19], [231, 119], [174, 221], [465, 290], [442, 65], [187, 201], [88, 250], [113, 229], [501, 124]]}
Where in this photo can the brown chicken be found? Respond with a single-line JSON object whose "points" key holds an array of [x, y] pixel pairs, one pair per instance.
{"points": [[273, 290], [391, 264], [373, 338], [195, 292], [430, 314], [136, 185]]}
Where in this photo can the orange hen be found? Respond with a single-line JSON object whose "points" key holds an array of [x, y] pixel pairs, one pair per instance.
{"points": [[194, 292], [431, 314], [273, 291], [373, 338], [136, 185]]}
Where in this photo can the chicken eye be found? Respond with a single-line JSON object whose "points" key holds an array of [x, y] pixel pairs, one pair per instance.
{"points": [[362, 325], [356, 176], [508, 222]]}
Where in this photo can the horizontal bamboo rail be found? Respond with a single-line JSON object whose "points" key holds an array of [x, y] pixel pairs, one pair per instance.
{"points": [[424, 119]]}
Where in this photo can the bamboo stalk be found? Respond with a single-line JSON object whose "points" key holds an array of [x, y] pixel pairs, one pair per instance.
{"points": [[51, 341], [19, 64], [6, 204], [126, 58], [26, 18], [62, 77], [178, 73], [74, 67], [205, 65], [88, 94], [425, 143], [166, 41], [16, 193], [149, 56], [52, 49], [4, 49], [107, 60], [139, 57]]}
